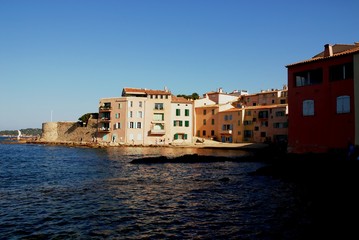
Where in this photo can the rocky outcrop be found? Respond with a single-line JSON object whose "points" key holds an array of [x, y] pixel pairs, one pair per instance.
{"points": [[68, 131]]}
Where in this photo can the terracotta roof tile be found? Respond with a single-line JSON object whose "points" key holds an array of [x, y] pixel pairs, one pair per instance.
{"points": [[338, 50], [145, 91], [176, 99]]}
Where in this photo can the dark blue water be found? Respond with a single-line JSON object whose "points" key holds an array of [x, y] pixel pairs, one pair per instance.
{"points": [[54, 192]]}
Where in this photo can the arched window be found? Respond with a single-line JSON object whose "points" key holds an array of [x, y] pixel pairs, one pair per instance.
{"points": [[343, 104], [308, 107]]}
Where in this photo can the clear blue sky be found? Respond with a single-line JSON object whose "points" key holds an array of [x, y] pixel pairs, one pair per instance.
{"points": [[62, 56]]}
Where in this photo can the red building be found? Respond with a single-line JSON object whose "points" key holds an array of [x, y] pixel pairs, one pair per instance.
{"points": [[323, 100]]}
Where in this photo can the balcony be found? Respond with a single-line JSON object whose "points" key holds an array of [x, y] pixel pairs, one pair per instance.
{"points": [[226, 132], [104, 129], [159, 132], [105, 119], [105, 109]]}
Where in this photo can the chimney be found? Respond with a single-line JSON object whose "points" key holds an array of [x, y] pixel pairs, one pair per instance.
{"points": [[328, 50]]}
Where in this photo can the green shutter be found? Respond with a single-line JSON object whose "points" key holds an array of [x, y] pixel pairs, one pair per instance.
{"points": [[176, 136]]}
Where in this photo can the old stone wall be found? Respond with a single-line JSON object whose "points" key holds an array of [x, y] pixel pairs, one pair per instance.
{"points": [[68, 131]]}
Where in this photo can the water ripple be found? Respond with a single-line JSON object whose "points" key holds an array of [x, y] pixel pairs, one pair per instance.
{"points": [[49, 192]]}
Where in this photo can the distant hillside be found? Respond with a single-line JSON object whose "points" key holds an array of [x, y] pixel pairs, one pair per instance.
{"points": [[27, 131]]}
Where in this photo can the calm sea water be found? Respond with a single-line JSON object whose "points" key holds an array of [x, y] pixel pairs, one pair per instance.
{"points": [[55, 192]]}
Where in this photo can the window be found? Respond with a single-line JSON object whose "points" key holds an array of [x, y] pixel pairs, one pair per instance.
{"points": [[204, 111], [212, 132], [343, 104], [204, 121], [212, 121], [308, 108], [212, 111], [280, 125], [341, 72], [248, 113], [280, 114], [256, 128], [264, 124], [131, 125], [158, 117], [263, 134], [246, 122], [177, 123], [186, 123], [130, 104], [239, 122], [140, 104], [119, 105], [139, 114], [226, 127], [186, 112], [158, 106], [247, 133], [263, 114], [178, 112], [204, 133], [308, 77], [139, 125], [117, 115], [139, 137]]}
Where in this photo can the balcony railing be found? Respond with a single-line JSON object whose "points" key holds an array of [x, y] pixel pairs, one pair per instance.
{"points": [[226, 132], [104, 129], [157, 132], [105, 109], [105, 119]]}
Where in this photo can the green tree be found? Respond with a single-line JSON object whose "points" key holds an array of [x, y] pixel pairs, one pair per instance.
{"points": [[85, 118]]}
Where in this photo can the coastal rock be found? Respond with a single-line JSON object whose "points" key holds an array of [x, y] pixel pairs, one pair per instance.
{"points": [[188, 158]]}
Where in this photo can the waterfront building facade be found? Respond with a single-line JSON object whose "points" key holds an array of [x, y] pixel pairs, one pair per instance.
{"points": [[206, 111], [323, 100], [182, 120], [260, 117], [144, 117]]}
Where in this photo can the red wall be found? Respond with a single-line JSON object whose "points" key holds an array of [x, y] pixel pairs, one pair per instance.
{"points": [[326, 129]]}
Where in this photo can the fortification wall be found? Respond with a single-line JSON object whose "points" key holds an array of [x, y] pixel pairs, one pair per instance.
{"points": [[68, 131]]}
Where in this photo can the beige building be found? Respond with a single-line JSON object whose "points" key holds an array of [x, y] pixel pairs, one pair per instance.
{"points": [[144, 117]]}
